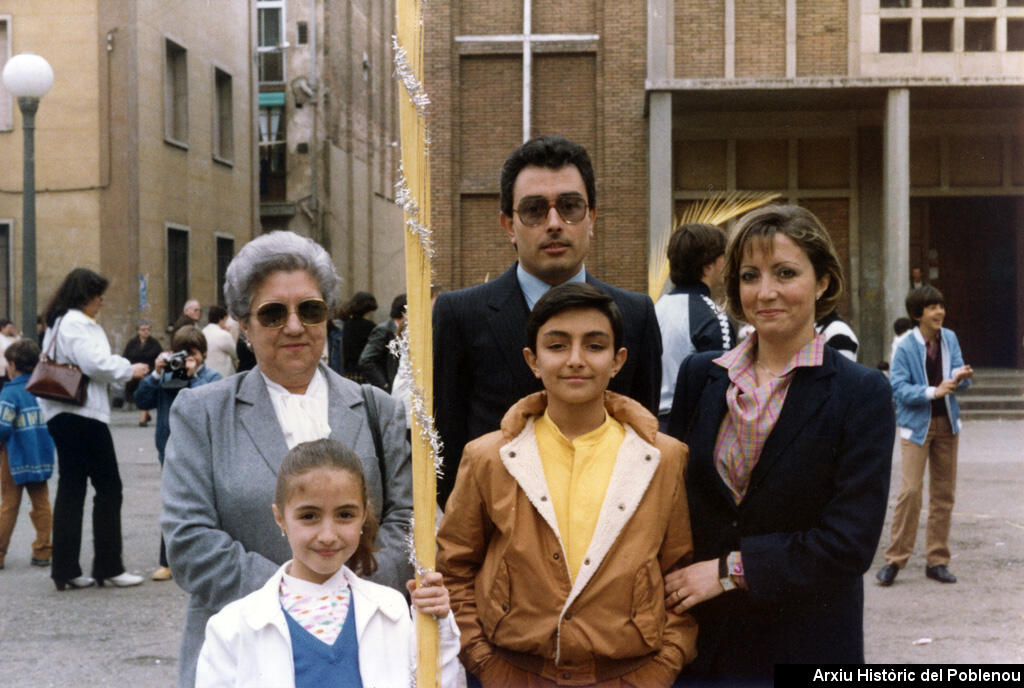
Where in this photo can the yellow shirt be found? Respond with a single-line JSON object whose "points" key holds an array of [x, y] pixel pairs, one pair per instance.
{"points": [[577, 475]]}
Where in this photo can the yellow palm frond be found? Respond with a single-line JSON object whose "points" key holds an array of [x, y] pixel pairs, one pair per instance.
{"points": [[714, 209]]}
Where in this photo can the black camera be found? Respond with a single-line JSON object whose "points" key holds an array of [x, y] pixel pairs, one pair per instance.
{"points": [[176, 361], [179, 372]]}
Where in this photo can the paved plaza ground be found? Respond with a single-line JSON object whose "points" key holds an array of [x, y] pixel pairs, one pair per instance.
{"points": [[129, 637]]}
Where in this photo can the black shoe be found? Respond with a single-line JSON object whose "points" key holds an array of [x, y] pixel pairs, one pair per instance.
{"points": [[40, 562], [939, 573], [887, 574]]}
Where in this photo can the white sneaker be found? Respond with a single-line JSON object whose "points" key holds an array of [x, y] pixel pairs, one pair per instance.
{"points": [[75, 583], [124, 580]]}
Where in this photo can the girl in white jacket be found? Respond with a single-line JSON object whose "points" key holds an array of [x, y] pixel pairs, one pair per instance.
{"points": [[315, 622]]}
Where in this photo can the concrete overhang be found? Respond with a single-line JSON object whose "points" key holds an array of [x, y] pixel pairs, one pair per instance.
{"points": [[837, 93]]}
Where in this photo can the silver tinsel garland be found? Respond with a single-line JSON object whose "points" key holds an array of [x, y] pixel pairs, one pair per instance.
{"points": [[405, 73], [405, 200]]}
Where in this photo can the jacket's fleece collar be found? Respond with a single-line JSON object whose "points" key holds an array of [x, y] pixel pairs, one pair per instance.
{"points": [[619, 407]]}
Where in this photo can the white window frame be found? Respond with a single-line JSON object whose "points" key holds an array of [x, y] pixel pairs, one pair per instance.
{"points": [[280, 47]]}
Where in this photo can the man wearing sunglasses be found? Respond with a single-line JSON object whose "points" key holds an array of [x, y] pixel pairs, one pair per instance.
{"points": [[548, 208]]}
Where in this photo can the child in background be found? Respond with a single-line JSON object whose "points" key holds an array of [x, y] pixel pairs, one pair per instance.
{"points": [[159, 389], [927, 371], [316, 622], [26, 460]]}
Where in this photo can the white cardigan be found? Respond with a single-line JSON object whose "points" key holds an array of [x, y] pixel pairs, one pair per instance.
{"points": [[82, 341], [248, 643]]}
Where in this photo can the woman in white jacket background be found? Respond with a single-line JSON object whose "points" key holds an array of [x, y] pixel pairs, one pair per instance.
{"points": [[85, 449]]}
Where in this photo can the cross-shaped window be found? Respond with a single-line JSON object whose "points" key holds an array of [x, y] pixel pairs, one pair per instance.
{"points": [[528, 38]]}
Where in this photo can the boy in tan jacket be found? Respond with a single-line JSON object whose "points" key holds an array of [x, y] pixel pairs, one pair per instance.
{"points": [[563, 523]]}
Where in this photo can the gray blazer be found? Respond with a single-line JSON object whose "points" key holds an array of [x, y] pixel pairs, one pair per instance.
{"points": [[218, 484]]}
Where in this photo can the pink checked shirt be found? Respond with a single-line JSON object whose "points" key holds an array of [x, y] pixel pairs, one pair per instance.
{"points": [[753, 410]]}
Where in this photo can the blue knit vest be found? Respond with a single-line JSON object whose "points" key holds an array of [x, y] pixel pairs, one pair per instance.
{"points": [[318, 665]]}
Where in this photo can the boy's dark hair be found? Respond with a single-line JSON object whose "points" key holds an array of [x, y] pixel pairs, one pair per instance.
{"points": [[23, 355], [572, 296], [920, 298], [552, 152], [691, 248], [331, 454], [901, 325], [79, 287], [188, 338], [4, 322], [216, 314], [398, 307]]}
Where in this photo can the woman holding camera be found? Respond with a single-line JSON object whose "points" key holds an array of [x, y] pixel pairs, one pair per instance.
{"points": [[173, 372], [228, 439], [85, 449]]}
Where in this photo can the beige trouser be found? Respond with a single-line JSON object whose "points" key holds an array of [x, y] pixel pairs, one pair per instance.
{"points": [[10, 502], [939, 453]]}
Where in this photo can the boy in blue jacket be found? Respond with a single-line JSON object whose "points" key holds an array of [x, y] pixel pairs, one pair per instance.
{"points": [[159, 389], [927, 371], [26, 459]]}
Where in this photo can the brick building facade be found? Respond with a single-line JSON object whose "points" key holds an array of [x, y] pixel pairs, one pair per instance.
{"points": [[898, 122]]}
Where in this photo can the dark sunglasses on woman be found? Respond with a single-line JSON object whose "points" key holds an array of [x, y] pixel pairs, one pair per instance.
{"points": [[274, 314]]}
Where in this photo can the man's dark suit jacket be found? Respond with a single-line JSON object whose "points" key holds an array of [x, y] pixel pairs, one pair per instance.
{"points": [[808, 524], [479, 371]]}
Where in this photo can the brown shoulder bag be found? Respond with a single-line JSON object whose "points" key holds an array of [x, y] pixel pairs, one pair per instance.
{"points": [[57, 381]]}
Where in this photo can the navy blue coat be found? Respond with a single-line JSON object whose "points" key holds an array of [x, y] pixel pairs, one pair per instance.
{"points": [[808, 525], [479, 371]]}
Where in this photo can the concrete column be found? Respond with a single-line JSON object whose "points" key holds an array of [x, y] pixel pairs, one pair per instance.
{"points": [[896, 202], [659, 164], [659, 39]]}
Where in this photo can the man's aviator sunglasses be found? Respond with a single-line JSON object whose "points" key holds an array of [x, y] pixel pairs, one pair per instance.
{"points": [[533, 210], [274, 314]]}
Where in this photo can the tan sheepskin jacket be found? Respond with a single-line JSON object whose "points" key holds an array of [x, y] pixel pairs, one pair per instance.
{"points": [[504, 563]]}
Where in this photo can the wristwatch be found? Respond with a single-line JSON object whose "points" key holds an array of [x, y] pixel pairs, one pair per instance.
{"points": [[724, 579]]}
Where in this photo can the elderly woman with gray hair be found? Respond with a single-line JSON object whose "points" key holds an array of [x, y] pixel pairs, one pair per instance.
{"points": [[228, 438]]}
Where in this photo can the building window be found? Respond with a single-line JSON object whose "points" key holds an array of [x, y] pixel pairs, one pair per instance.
{"points": [[271, 41], [6, 104], [175, 93], [223, 117], [937, 35], [273, 150], [225, 252], [302, 29], [177, 272], [5, 274], [894, 36], [934, 26], [979, 35], [1015, 34]]}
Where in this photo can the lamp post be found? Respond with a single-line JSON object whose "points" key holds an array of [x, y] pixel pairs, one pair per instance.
{"points": [[28, 78]]}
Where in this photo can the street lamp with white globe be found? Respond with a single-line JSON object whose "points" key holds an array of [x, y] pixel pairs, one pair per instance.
{"points": [[28, 77]]}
